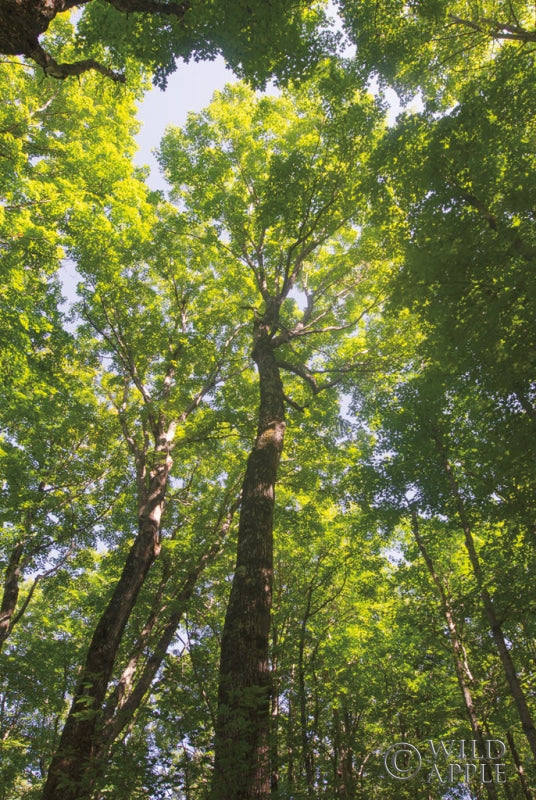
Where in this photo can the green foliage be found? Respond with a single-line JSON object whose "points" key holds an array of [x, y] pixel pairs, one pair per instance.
{"points": [[414, 245], [257, 40], [436, 46]]}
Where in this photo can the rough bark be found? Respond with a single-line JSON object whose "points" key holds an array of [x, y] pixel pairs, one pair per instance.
{"points": [[512, 677], [11, 591], [242, 764], [71, 772]]}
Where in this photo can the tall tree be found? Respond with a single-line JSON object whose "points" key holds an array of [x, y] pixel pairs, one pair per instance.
{"points": [[279, 193], [143, 314]]}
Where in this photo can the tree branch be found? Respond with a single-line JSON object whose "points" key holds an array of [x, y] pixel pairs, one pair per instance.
{"points": [[496, 29], [52, 69], [152, 7]]}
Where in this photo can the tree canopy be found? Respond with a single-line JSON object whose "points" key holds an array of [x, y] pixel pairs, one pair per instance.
{"points": [[267, 478]]}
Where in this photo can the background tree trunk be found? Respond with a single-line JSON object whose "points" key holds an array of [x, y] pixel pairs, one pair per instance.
{"points": [[73, 767]]}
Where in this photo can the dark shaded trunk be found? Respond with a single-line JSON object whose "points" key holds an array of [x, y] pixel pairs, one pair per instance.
{"points": [[73, 767], [291, 776], [22, 22], [343, 736], [11, 591], [512, 677], [274, 712], [242, 763], [463, 673]]}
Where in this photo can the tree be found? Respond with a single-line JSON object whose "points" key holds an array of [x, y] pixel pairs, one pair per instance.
{"points": [[142, 319], [279, 195], [157, 33], [51, 427], [434, 48], [313, 265]]}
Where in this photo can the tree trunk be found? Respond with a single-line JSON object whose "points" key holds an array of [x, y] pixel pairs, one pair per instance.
{"points": [[73, 768], [136, 681], [343, 735], [307, 757], [527, 794], [512, 678], [274, 713], [11, 591], [242, 764], [461, 665]]}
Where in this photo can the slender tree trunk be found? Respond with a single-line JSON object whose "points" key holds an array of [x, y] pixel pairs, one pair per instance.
{"points": [[242, 764], [291, 779], [512, 678], [527, 794], [73, 768], [461, 665], [307, 758], [343, 734], [274, 725]]}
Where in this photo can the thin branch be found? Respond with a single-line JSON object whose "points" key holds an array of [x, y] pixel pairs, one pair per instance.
{"points": [[36, 580], [496, 29], [292, 403], [152, 7]]}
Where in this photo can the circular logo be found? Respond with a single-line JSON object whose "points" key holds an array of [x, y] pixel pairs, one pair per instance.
{"points": [[402, 761]]}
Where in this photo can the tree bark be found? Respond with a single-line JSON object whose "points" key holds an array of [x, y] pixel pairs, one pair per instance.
{"points": [[129, 693], [71, 773], [22, 22], [242, 763], [11, 591]]}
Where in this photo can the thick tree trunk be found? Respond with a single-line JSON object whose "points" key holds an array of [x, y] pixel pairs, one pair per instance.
{"points": [[22, 22], [11, 591], [73, 767], [463, 673], [242, 764], [512, 677]]}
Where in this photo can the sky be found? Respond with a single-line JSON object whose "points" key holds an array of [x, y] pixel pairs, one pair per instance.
{"points": [[190, 88]]}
